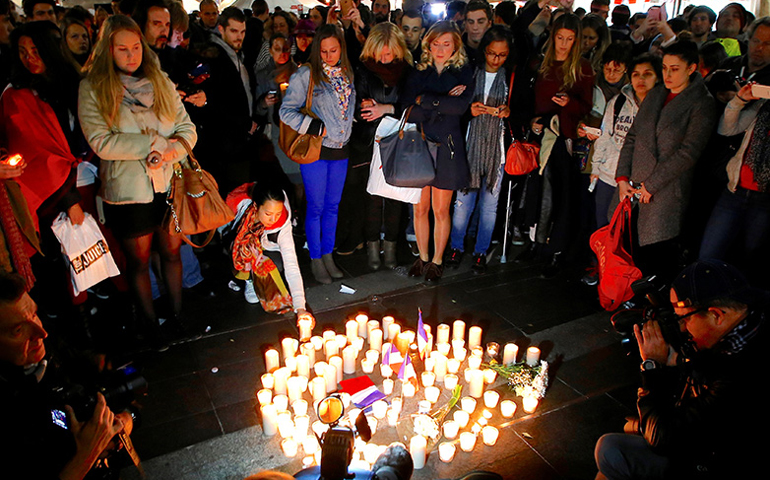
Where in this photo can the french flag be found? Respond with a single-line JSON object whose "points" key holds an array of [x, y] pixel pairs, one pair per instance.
{"points": [[362, 391], [392, 357], [407, 372], [422, 336]]}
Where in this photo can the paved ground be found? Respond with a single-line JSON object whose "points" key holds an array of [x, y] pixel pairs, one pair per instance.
{"points": [[199, 415]]}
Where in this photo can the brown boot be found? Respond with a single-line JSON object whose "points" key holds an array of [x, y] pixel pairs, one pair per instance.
{"points": [[389, 254], [373, 255]]}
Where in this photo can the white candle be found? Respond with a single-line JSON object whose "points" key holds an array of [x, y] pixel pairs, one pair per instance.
{"points": [[474, 362], [371, 325], [507, 408], [265, 396], [386, 371], [303, 365], [289, 346], [533, 356], [387, 386], [476, 383], [380, 409], [349, 359], [430, 364], [351, 330], [442, 334], [371, 452], [457, 344], [285, 425], [319, 368], [362, 319], [432, 394], [319, 428], [460, 353], [318, 342], [423, 406], [271, 360], [530, 403], [489, 376], [318, 389], [359, 344], [467, 441], [268, 381], [443, 348], [393, 330], [451, 428], [452, 365], [461, 417], [468, 404], [486, 414], [440, 368], [428, 379], [474, 337], [341, 340], [345, 397], [418, 448], [269, 419], [367, 366], [491, 398], [329, 335], [310, 445], [281, 375], [372, 424], [392, 417], [446, 452], [510, 352], [337, 363], [330, 349], [375, 339], [450, 381], [408, 390], [397, 404], [294, 386], [299, 407], [489, 435], [373, 355], [281, 403], [330, 375], [291, 363], [305, 324], [458, 330], [301, 423], [387, 321], [289, 447]]}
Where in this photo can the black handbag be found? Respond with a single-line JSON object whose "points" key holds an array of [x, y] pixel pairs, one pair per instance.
{"points": [[408, 158]]}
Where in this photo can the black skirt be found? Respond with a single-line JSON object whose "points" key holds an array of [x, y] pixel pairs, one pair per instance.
{"points": [[134, 220]]}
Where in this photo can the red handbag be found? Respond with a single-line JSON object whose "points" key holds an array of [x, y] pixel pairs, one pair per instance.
{"points": [[616, 266], [521, 157]]}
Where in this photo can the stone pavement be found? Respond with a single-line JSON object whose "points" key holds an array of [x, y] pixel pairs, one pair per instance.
{"points": [[199, 418]]}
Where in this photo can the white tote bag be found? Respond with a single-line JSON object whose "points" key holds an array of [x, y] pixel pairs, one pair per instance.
{"points": [[377, 184], [85, 250]]}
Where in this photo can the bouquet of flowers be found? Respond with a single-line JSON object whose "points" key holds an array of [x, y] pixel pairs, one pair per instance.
{"points": [[524, 380], [427, 424]]}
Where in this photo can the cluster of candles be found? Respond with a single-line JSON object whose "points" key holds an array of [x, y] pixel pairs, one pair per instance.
{"points": [[330, 356]]}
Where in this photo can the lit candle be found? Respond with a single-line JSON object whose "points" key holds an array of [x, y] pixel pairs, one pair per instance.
{"points": [[303, 365], [397, 404], [281, 403], [284, 86], [530, 403], [408, 390], [458, 330], [468, 404], [289, 346], [373, 355], [393, 330], [403, 342], [349, 359], [371, 452], [510, 352], [269, 419], [318, 342], [281, 375], [14, 159], [362, 319], [330, 349], [299, 407], [387, 386], [285, 425], [387, 321], [443, 348], [359, 344], [367, 366], [440, 368], [432, 394], [450, 381], [341, 340], [430, 364], [271, 360], [457, 344], [372, 424], [461, 417], [476, 383], [486, 414], [319, 368], [371, 325], [375, 339], [474, 362], [446, 452], [291, 363], [330, 375], [268, 381], [474, 337], [491, 398], [318, 389], [305, 323], [533, 356], [301, 423], [345, 397], [423, 406], [460, 353], [310, 445], [418, 448], [489, 376], [295, 388], [319, 428], [428, 379], [489, 435], [442, 334], [337, 363], [507, 408], [351, 330], [392, 417], [451, 428], [289, 447], [452, 365], [386, 371], [467, 441], [329, 335], [380, 409], [265, 396]]}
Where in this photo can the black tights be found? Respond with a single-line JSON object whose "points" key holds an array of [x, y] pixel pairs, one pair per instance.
{"points": [[138, 250]]}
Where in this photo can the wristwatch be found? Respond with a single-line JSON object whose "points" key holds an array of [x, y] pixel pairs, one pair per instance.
{"points": [[649, 364]]}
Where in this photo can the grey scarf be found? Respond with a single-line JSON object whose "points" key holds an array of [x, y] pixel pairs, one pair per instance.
{"points": [[758, 152], [235, 57], [138, 94], [484, 132]]}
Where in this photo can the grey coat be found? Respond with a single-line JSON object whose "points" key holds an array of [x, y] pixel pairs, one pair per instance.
{"points": [[661, 150]]}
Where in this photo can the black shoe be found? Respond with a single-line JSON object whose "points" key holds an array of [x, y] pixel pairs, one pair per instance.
{"points": [[479, 266], [414, 249], [518, 239], [454, 258], [528, 255], [418, 268], [180, 330], [433, 272], [554, 267], [591, 278]]}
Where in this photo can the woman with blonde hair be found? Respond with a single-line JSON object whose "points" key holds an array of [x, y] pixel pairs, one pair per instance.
{"points": [[595, 40], [439, 92], [132, 116], [380, 77]]}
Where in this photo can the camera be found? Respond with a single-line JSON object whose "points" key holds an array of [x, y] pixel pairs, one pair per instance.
{"points": [[658, 308]]}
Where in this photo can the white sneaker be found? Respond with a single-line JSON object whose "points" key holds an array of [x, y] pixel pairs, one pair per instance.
{"points": [[249, 294]]}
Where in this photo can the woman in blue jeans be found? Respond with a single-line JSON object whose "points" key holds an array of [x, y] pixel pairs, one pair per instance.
{"points": [[486, 133], [333, 103]]}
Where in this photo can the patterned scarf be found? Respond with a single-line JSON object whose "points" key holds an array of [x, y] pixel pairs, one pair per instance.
{"points": [[19, 260], [484, 132], [341, 84], [248, 257], [758, 153]]}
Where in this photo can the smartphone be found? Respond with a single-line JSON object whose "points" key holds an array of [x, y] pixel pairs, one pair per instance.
{"points": [[272, 93], [760, 91], [655, 14], [59, 418], [560, 95], [346, 6], [593, 130]]}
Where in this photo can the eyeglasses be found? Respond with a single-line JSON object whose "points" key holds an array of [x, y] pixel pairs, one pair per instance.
{"points": [[686, 316], [497, 56], [614, 71]]}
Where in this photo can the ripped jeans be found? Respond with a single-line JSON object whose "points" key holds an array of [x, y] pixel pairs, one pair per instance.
{"points": [[465, 204]]}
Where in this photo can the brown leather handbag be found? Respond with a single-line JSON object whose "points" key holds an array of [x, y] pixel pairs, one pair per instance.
{"points": [[302, 148], [194, 203]]}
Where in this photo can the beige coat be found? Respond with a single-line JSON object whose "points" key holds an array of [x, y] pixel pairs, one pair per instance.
{"points": [[124, 147]]}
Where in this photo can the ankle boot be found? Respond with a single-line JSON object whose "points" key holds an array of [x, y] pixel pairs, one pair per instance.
{"points": [[331, 267], [373, 255], [389, 252], [319, 271]]}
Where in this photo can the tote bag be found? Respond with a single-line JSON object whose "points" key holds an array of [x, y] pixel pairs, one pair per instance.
{"points": [[377, 184], [408, 158]]}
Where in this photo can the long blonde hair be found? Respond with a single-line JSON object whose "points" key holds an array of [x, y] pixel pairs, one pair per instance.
{"points": [[458, 59], [105, 78], [386, 34], [571, 70]]}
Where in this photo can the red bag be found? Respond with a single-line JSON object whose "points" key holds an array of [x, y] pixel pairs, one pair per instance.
{"points": [[616, 266], [521, 157]]}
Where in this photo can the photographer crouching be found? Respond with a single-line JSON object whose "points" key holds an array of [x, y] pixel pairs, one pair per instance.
{"points": [[39, 438], [701, 405]]}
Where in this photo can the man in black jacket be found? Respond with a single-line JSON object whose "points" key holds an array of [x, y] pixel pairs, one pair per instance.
{"points": [[755, 65], [700, 412]]}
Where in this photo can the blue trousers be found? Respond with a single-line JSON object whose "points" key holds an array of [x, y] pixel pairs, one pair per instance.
{"points": [[465, 204], [324, 181], [628, 457]]}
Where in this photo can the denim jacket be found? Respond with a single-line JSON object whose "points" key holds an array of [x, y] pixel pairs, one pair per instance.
{"points": [[325, 106]]}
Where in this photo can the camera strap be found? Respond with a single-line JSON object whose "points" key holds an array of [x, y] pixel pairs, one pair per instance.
{"points": [[125, 439]]}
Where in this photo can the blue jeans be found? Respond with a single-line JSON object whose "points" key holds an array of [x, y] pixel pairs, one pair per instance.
{"points": [[625, 457], [191, 271], [465, 204], [324, 181]]}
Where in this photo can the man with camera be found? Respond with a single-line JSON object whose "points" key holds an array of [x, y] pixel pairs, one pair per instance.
{"points": [[37, 440], [700, 405]]}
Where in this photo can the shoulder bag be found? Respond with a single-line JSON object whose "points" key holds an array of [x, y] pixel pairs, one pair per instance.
{"points": [[521, 157], [301, 148], [408, 158]]}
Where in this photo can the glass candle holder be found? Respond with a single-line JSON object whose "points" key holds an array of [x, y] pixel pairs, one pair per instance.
{"points": [[530, 404], [467, 441], [387, 386], [408, 390], [507, 408], [281, 402], [432, 393], [450, 381], [451, 429], [468, 404], [489, 435], [428, 379], [461, 417], [265, 396], [299, 407], [491, 398], [446, 451], [380, 409], [289, 447]]}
